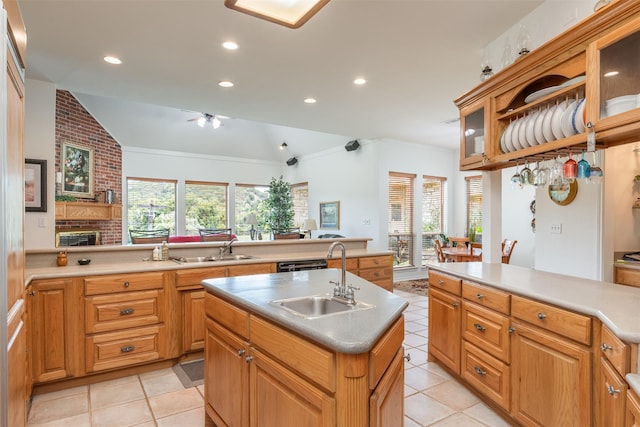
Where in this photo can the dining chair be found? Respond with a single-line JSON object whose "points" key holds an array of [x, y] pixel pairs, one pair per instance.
{"points": [[149, 236], [476, 247], [215, 234], [457, 241], [507, 250], [438, 248], [291, 233]]}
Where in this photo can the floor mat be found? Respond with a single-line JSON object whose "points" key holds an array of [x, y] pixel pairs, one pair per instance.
{"points": [[419, 286], [191, 374]]}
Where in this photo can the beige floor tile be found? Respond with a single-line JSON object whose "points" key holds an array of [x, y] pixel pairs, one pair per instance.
{"points": [[421, 379], [201, 389], [147, 424], [408, 422], [175, 402], [414, 316], [61, 393], [408, 390], [103, 396], [483, 413], [453, 394], [124, 381], [128, 414], [437, 369], [193, 417], [424, 410], [418, 356], [410, 327], [456, 420], [413, 340], [150, 374], [82, 420], [161, 384], [45, 411]]}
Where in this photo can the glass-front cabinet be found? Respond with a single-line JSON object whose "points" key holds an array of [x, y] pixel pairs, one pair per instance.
{"points": [[474, 134]]}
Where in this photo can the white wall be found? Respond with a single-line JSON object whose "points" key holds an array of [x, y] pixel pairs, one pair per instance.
{"points": [[40, 111]]}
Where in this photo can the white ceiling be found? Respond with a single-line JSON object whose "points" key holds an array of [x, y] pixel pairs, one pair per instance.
{"points": [[417, 55]]}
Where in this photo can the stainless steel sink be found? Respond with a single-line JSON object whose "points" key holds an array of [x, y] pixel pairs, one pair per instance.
{"points": [[314, 306], [202, 259]]}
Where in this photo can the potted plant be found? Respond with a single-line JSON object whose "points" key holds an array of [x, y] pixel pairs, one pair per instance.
{"points": [[280, 205]]}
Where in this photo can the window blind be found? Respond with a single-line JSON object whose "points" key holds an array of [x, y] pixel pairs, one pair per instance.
{"points": [[300, 199], [474, 201], [400, 226]]}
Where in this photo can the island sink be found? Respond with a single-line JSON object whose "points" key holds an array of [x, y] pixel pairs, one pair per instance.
{"points": [[314, 306]]}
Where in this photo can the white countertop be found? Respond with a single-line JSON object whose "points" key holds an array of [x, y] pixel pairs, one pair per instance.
{"points": [[617, 306], [347, 332]]}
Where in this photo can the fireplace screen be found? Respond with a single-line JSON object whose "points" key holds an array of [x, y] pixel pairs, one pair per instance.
{"points": [[77, 238]]}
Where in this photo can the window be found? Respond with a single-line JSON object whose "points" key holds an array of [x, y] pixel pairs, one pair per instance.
{"points": [[300, 199], [432, 214], [401, 218], [250, 199], [151, 204], [474, 207], [205, 205]]}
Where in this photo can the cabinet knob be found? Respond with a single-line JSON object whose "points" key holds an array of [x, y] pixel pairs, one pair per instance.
{"points": [[611, 390], [32, 293], [440, 282], [127, 349], [241, 352], [606, 347], [479, 327], [126, 311], [479, 296], [408, 357], [511, 329], [248, 359], [480, 371], [541, 316], [455, 305], [126, 284]]}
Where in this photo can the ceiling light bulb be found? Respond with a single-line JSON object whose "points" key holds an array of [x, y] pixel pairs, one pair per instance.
{"points": [[112, 60], [310, 101], [216, 123], [229, 45], [225, 83], [201, 121], [283, 145], [359, 81]]}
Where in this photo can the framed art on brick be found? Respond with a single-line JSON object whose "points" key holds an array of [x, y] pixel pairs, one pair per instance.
{"points": [[77, 170]]}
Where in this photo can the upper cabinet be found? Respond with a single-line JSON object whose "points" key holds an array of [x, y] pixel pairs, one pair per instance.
{"points": [[579, 91]]}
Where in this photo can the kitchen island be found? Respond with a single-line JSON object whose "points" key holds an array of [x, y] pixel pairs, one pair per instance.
{"points": [[267, 364]]}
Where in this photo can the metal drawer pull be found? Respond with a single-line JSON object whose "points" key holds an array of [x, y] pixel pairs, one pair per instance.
{"points": [[126, 284], [248, 359], [480, 296], [241, 352], [440, 282], [126, 311], [408, 357], [480, 371], [479, 327], [541, 316], [127, 349], [612, 390], [605, 347]]}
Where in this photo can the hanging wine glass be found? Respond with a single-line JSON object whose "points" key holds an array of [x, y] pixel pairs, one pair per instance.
{"points": [[570, 169], [516, 179], [540, 175], [596, 174], [526, 175], [556, 175], [584, 169]]}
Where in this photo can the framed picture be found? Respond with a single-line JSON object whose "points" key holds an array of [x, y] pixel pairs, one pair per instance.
{"points": [[35, 185], [563, 194], [330, 215], [77, 170]]}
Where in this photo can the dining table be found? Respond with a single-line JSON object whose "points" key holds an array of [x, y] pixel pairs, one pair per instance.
{"points": [[462, 253]]}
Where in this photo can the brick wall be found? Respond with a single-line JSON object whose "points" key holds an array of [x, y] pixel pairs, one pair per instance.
{"points": [[75, 125]]}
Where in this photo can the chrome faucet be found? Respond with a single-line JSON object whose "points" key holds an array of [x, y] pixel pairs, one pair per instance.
{"points": [[341, 290], [226, 247]]}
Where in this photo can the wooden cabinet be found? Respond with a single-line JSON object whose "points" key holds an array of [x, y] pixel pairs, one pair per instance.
{"points": [[387, 401], [378, 270], [246, 269], [610, 387], [626, 276], [66, 211], [124, 320], [193, 331], [632, 417], [444, 320]]}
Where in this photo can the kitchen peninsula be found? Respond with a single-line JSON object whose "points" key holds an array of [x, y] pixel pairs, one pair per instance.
{"points": [[264, 362]]}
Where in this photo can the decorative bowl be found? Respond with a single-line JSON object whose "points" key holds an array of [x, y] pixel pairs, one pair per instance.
{"points": [[621, 104], [84, 261]]}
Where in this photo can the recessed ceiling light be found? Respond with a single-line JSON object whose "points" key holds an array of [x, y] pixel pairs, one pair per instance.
{"points": [[225, 83], [112, 60], [310, 101], [360, 81], [611, 74], [230, 45]]}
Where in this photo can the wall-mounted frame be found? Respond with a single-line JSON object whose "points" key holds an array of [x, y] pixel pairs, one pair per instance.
{"points": [[77, 170], [330, 215], [563, 194], [35, 185]]}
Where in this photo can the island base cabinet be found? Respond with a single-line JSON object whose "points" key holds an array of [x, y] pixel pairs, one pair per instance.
{"points": [[226, 375], [387, 401], [632, 417], [551, 383], [444, 329], [613, 394], [280, 398]]}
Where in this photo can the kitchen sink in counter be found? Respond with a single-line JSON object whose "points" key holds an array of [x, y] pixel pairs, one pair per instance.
{"points": [[348, 332]]}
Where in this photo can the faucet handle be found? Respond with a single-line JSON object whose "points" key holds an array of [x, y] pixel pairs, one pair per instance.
{"points": [[336, 287]]}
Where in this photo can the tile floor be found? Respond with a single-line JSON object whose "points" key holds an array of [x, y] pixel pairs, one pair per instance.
{"points": [[432, 397]]}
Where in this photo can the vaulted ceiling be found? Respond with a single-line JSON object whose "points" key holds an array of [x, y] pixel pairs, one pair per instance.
{"points": [[417, 56]]}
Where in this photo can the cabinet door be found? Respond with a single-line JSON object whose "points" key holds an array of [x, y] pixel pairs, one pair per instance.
{"points": [[613, 393], [387, 401], [226, 377], [193, 320], [444, 329], [278, 397], [49, 317], [551, 379], [632, 418]]}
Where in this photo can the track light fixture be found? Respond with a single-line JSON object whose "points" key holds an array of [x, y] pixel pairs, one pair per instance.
{"points": [[292, 161]]}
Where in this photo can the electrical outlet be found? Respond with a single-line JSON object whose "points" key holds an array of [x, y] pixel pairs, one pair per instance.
{"points": [[366, 221], [556, 229], [42, 222]]}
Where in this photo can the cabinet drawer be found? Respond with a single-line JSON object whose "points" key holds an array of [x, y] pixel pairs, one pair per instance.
{"points": [[122, 283], [229, 316], [616, 351], [383, 353], [375, 262], [445, 282], [352, 264], [120, 311], [486, 329], [246, 269], [307, 359], [488, 297], [195, 276], [487, 374], [566, 323], [627, 276], [374, 275], [123, 348]]}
